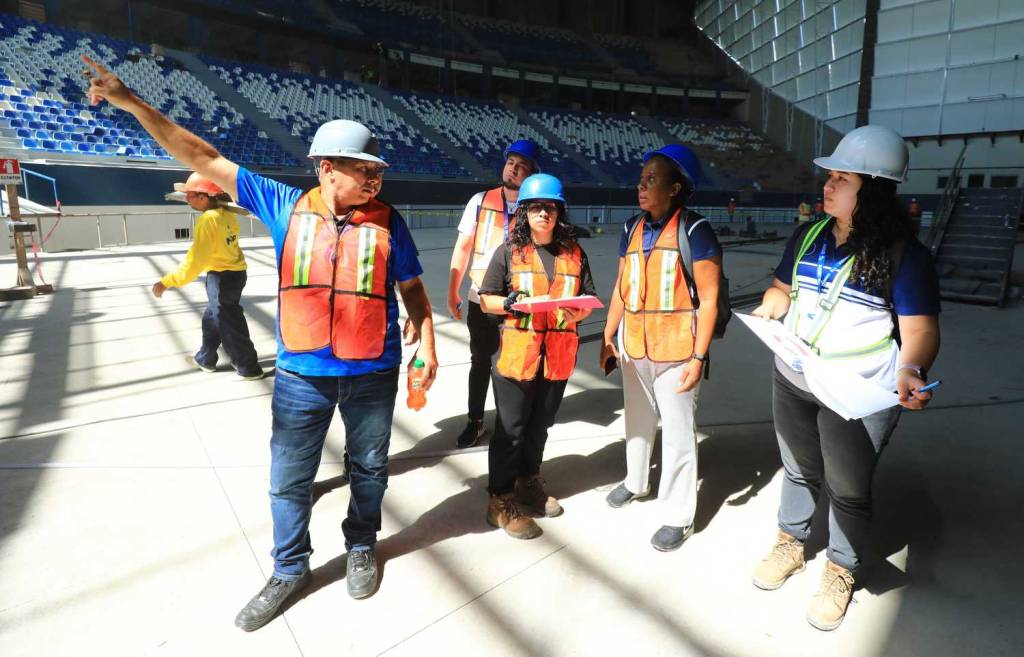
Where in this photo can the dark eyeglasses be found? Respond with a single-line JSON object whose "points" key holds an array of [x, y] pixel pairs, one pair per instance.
{"points": [[535, 208]]}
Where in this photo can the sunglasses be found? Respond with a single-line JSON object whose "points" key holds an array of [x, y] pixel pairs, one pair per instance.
{"points": [[536, 208]]}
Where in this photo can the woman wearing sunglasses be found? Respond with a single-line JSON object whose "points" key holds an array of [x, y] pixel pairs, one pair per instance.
{"points": [[537, 353]]}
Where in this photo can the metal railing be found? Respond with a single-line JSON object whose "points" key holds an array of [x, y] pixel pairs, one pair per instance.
{"points": [[945, 207], [87, 230]]}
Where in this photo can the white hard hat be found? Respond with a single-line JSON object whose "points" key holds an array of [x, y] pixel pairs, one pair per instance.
{"points": [[873, 150], [344, 138]]}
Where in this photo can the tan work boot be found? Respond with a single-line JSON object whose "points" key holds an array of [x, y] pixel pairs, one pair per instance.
{"points": [[502, 512], [828, 606], [530, 493], [785, 559]]}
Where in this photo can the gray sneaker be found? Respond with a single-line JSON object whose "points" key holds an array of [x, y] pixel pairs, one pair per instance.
{"points": [[621, 496], [669, 538], [361, 573], [265, 604]]}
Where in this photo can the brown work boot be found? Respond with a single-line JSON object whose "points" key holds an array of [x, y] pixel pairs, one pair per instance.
{"points": [[530, 494], [785, 559], [502, 512], [828, 606]]}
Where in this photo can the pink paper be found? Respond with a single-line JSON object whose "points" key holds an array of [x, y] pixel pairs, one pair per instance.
{"points": [[585, 301]]}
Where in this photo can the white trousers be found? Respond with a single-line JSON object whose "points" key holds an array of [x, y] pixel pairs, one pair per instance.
{"points": [[649, 393]]}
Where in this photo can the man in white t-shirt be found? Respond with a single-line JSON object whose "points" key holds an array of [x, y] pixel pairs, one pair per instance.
{"points": [[485, 224]]}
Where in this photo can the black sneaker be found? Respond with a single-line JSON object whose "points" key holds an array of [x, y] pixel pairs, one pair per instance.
{"points": [[361, 573], [669, 538], [621, 496], [473, 432], [209, 369], [250, 375], [263, 607]]}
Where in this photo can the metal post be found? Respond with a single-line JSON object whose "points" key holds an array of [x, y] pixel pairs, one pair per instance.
{"points": [[124, 226], [99, 234], [24, 275]]}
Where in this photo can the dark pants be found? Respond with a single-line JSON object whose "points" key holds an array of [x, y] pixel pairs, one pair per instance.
{"points": [[302, 408], [526, 410], [223, 322], [483, 344], [819, 448]]}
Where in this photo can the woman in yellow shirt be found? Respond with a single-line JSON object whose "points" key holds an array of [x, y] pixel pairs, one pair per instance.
{"points": [[215, 250]]}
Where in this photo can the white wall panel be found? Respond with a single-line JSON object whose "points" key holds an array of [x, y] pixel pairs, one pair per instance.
{"points": [[966, 117], [1009, 40], [895, 24], [848, 11], [924, 88], [892, 4], [931, 17]]}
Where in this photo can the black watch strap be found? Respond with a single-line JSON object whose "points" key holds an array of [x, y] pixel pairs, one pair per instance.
{"points": [[705, 359]]}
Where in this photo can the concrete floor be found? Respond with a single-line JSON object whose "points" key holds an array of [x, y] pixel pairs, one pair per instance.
{"points": [[134, 518]]}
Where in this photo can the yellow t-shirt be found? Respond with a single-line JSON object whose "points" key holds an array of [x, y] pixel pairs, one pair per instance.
{"points": [[214, 248]]}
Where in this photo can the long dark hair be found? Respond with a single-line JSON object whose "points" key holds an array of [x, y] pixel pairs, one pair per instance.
{"points": [[564, 234], [879, 222]]}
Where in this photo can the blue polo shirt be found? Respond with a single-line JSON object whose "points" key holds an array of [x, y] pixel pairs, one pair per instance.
{"points": [[272, 203], [703, 241], [915, 290]]}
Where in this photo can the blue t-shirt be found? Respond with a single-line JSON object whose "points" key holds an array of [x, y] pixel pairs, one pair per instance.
{"points": [[272, 202], [703, 241], [915, 290]]}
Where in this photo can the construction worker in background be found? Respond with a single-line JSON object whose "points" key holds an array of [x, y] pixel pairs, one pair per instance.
{"points": [[731, 209], [804, 210], [819, 209], [486, 222], [663, 338], [914, 210], [341, 253], [216, 251], [538, 351]]}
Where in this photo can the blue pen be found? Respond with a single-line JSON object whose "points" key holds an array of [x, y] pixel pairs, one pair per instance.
{"points": [[931, 386]]}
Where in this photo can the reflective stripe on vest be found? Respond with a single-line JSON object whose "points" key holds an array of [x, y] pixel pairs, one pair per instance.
{"points": [[825, 303], [332, 289], [546, 335], [491, 219], [659, 321]]}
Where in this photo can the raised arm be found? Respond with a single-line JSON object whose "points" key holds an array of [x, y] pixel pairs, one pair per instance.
{"points": [[187, 148]]}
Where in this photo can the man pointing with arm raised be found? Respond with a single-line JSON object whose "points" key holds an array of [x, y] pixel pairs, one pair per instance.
{"points": [[340, 252]]}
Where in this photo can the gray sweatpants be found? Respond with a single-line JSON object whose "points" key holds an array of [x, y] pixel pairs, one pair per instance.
{"points": [[649, 393]]}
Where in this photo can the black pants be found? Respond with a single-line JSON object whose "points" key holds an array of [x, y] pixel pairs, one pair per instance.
{"points": [[483, 344], [819, 448], [526, 410], [223, 322]]}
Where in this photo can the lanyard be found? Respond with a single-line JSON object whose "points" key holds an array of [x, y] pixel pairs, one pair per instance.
{"points": [[823, 277]]}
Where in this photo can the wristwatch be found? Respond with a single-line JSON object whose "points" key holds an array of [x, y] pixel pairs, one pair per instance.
{"points": [[701, 357]]}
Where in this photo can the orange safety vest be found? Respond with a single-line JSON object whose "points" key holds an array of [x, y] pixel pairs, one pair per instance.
{"points": [[491, 217], [546, 335], [660, 323], [332, 289]]}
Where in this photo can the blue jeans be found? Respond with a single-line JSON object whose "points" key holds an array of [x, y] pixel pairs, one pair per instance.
{"points": [[302, 408], [223, 321]]}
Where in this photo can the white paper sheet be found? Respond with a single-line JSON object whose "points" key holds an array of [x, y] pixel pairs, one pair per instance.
{"points": [[847, 393]]}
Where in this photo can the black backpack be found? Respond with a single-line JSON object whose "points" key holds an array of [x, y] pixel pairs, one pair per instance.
{"points": [[724, 307]]}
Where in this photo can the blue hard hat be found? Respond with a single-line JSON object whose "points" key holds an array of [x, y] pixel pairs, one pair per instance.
{"points": [[684, 158], [541, 187], [528, 149]]}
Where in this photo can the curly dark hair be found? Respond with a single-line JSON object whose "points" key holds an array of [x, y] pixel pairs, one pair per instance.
{"points": [[879, 221], [520, 236]]}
